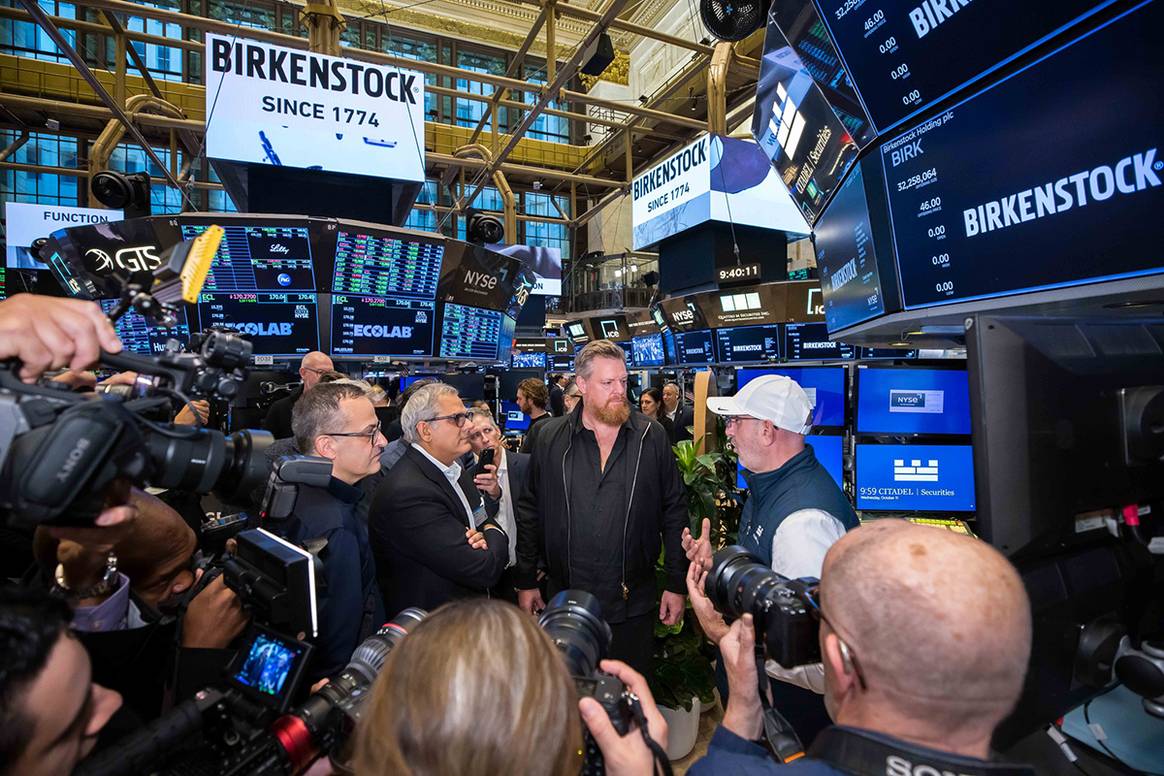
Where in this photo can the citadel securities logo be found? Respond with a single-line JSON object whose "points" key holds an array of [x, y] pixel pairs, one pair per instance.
{"points": [[914, 471], [137, 259]]}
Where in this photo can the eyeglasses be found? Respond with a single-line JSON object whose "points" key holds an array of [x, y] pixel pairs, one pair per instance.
{"points": [[730, 419], [371, 435], [811, 596], [459, 419]]}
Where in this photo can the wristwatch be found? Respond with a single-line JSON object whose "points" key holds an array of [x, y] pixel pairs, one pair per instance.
{"points": [[107, 585]]}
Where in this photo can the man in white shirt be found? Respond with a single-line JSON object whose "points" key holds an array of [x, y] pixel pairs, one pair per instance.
{"points": [[511, 472]]}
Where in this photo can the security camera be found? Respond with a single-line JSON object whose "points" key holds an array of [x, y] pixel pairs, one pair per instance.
{"points": [[119, 191], [484, 229]]}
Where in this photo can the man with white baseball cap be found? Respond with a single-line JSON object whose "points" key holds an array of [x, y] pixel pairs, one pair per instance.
{"points": [[794, 513]]}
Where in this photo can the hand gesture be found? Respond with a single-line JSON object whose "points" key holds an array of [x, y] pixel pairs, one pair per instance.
{"points": [[625, 755], [710, 620], [699, 550]]}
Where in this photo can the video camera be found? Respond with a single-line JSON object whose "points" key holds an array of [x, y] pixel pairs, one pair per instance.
{"points": [[245, 725]]}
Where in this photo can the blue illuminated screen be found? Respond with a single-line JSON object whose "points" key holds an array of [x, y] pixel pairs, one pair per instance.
{"points": [[915, 478], [512, 418], [913, 401], [268, 664], [825, 385], [829, 450], [647, 349], [529, 360]]}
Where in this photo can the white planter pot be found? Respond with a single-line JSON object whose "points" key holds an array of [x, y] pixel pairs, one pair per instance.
{"points": [[682, 729], [706, 707]]}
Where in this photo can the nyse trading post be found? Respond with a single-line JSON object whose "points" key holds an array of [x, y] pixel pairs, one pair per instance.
{"points": [[810, 342], [899, 53], [471, 333], [379, 326], [748, 344], [915, 478], [845, 253], [384, 264], [277, 324], [257, 257], [138, 336], [1050, 178]]}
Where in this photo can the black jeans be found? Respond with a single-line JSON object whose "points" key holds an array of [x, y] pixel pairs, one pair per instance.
{"points": [[633, 642]]}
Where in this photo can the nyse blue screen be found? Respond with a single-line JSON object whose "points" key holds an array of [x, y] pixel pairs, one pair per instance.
{"points": [[513, 419], [915, 478], [825, 383], [913, 401]]}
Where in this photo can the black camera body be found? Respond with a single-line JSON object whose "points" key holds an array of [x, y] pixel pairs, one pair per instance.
{"points": [[739, 583]]}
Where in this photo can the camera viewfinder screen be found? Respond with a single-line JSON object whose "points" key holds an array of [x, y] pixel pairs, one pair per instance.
{"points": [[268, 664]]}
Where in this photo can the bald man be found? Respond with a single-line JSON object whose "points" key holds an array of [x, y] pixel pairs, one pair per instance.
{"points": [[925, 636], [278, 419]]}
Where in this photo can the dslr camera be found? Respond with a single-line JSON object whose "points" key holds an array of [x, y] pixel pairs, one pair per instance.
{"points": [[573, 620], [785, 610]]}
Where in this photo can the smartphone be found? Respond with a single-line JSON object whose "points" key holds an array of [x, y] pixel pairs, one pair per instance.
{"points": [[485, 459]]}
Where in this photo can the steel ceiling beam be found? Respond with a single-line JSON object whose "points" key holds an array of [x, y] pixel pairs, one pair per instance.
{"points": [[514, 71]]}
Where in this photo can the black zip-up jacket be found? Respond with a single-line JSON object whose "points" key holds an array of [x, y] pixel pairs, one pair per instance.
{"points": [[656, 510]]}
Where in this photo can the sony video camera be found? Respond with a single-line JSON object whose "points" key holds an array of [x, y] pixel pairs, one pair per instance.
{"points": [[785, 614], [573, 620], [249, 726]]}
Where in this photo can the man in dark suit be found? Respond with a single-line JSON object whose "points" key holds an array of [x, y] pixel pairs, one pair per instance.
{"points": [[512, 469], [278, 417], [681, 416], [434, 537]]}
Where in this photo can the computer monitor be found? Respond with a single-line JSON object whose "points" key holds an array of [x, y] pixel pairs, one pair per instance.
{"points": [[647, 349], [825, 385], [469, 386], [471, 333], [810, 342], [829, 450], [748, 344], [912, 401], [374, 262], [139, 336], [513, 419], [527, 360], [695, 348], [915, 478], [279, 324], [381, 326]]}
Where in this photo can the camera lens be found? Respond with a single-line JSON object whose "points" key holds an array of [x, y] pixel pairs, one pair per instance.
{"points": [[204, 460], [369, 657], [225, 350], [573, 620], [738, 581]]}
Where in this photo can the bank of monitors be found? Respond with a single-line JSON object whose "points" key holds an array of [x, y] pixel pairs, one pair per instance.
{"points": [[825, 385], [527, 360], [381, 326], [647, 350], [695, 348], [810, 342], [474, 333], [512, 418], [748, 344], [279, 324], [829, 450], [912, 401], [915, 478], [138, 336]]}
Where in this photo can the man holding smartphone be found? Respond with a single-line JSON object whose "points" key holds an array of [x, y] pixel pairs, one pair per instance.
{"points": [[511, 472]]}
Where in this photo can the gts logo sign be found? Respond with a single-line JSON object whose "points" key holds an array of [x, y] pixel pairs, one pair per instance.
{"points": [[480, 280]]}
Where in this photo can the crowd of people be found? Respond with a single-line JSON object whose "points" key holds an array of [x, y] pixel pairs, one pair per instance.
{"points": [[924, 635]]}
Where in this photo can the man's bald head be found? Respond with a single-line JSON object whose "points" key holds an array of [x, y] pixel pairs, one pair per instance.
{"points": [[940, 622], [312, 366]]}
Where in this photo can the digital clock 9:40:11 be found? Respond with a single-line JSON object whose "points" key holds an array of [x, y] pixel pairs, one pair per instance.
{"points": [[743, 272]]}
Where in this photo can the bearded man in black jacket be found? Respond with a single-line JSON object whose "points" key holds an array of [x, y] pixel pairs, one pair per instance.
{"points": [[603, 496]]}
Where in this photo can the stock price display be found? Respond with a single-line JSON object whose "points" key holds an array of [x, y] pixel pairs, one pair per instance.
{"points": [[899, 53], [810, 341], [138, 336], [377, 326], [695, 347], [849, 278], [470, 333], [748, 344], [259, 258], [387, 265], [983, 205], [277, 324]]}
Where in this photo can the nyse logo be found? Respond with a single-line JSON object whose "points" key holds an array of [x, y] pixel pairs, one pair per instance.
{"points": [[480, 280], [911, 401], [684, 316], [128, 259], [914, 471]]}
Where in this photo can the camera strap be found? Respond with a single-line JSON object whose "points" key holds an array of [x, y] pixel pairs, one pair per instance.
{"points": [[662, 762], [863, 752], [778, 732]]}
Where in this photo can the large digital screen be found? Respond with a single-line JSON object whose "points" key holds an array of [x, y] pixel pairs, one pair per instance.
{"points": [[810, 342], [24, 223], [527, 360], [912, 401], [1079, 209], [138, 336], [562, 363], [825, 386], [915, 478], [512, 418], [695, 347], [380, 326], [829, 450], [748, 344], [259, 257], [647, 349], [278, 324], [899, 54], [846, 257], [472, 334], [279, 106], [386, 264]]}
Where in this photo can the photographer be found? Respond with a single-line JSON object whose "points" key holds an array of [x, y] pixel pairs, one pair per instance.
{"points": [[337, 421], [925, 637], [50, 710]]}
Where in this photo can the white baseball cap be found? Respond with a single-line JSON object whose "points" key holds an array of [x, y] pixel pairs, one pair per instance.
{"points": [[776, 398]]}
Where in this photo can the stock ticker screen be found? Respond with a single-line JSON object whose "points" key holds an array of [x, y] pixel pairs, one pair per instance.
{"points": [[915, 478], [694, 348], [385, 264], [471, 333], [381, 326], [899, 54], [140, 337], [1050, 178], [278, 324], [259, 257], [748, 344], [810, 342]]}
